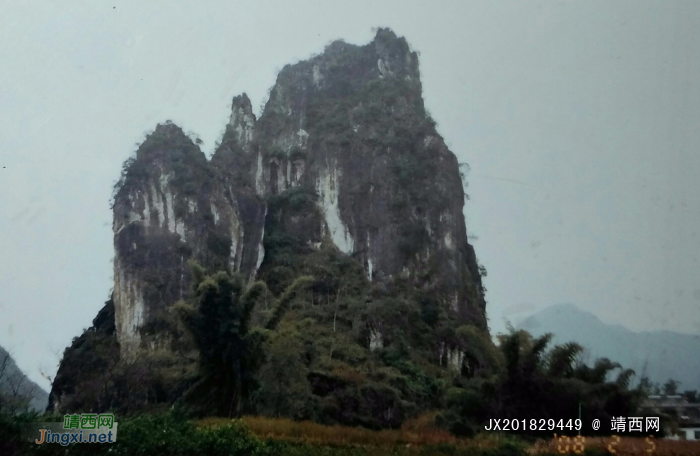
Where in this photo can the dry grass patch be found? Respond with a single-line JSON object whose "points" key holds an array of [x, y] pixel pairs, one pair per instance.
{"points": [[417, 432]]}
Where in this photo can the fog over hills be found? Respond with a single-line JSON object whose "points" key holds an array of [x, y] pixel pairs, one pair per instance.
{"points": [[665, 354], [13, 382]]}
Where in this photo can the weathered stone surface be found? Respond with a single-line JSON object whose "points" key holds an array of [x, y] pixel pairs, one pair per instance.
{"points": [[350, 126], [173, 206], [344, 154]]}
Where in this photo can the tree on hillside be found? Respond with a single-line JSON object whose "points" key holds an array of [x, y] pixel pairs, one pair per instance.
{"points": [[230, 351], [284, 389], [544, 383]]}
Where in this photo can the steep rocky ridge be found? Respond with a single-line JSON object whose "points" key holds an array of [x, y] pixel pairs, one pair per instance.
{"points": [[172, 206], [343, 174], [350, 128]]}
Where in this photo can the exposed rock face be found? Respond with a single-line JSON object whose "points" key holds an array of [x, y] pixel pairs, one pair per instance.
{"points": [[344, 154], [172, 206], [350, 127]]}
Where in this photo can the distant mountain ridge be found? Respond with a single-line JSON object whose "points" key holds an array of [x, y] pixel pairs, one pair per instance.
{"points": [[14, 382], [665, 354]]}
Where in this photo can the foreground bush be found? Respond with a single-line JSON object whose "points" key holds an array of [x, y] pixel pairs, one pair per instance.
{"points": [[167, 434], [173, 434]]}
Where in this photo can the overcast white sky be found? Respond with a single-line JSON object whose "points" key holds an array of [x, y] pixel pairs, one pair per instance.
{"points": [[580, 120]]}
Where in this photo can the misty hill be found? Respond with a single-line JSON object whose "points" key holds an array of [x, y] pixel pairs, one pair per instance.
{"points": [[342, 183], [15, 386], [666, 354], [317, 267]]}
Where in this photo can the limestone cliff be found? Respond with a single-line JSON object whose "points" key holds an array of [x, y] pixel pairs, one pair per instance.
{"points": [[350, 126], [172, 206], [343, 161]]}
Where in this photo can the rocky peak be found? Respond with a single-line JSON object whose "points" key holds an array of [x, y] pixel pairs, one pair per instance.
{"points": [[169, 130], [346, 130], [172, 205], [242, 122], [349, 127], [344, 177], [170, 143], [395, 56]]}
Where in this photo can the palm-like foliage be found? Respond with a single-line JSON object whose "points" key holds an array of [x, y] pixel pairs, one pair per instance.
{"points": [[230, 352], [599, 372], [524, 387], [562, 359], [550, 383], [624, 378]]}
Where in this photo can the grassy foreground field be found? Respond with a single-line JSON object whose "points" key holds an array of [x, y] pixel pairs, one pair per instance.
{"points": [[318, 434], [419, 437], [416, 437], [174, 435]]}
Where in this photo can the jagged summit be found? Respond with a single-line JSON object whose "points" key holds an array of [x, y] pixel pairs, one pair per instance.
{"points": [[344, 178], [386, 45], [241, 100], [343, 68], [166, 147], [387, 35], [242, 122], [349, 129], [166, 133], [168, 129]]}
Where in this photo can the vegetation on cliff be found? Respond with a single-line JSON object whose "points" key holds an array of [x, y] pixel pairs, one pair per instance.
{"points": [[334, 279], [312, 354]]}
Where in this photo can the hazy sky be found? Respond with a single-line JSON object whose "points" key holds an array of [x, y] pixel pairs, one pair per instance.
{"points": [[580, 120]]}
